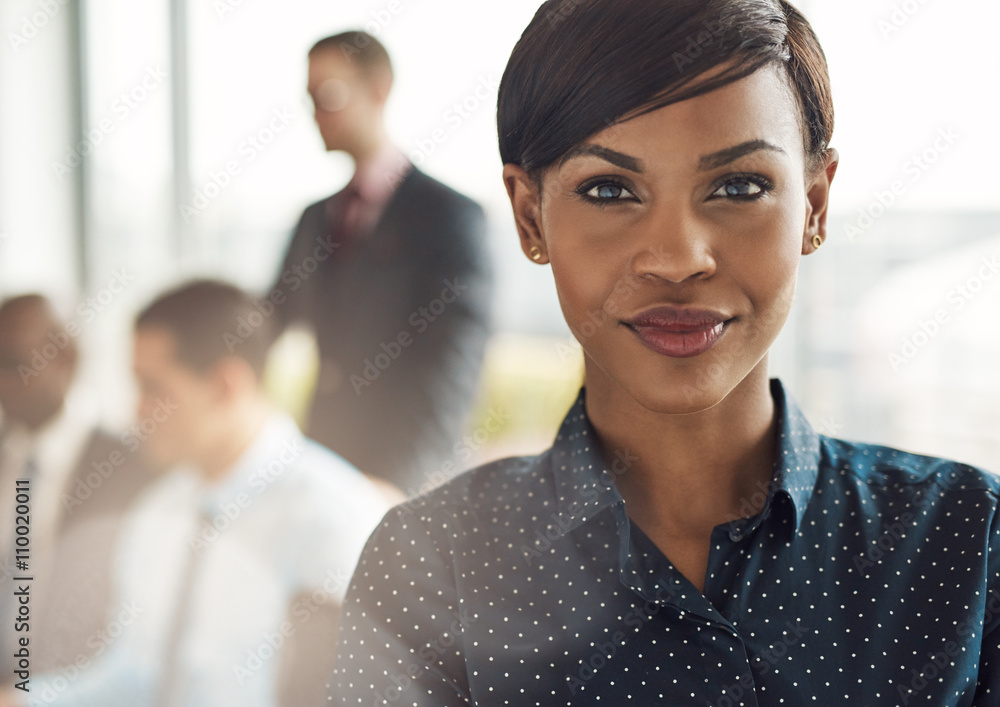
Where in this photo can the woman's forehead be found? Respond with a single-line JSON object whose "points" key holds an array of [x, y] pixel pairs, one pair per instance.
{"points": [[761, 107]]}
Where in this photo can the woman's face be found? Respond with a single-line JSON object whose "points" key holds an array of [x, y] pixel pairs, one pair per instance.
{"points": [[675, 239]]}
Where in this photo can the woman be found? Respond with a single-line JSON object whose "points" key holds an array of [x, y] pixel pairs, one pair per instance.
{"points": [[689, 539]]}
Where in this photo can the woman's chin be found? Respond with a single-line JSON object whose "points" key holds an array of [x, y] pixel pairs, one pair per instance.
{"points": [[677, 395]]}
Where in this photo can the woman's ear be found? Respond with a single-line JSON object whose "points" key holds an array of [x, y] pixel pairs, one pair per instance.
{"points": [[525, 200], [818, 200]]}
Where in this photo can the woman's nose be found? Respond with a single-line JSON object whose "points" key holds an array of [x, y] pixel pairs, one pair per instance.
{"points": [[676, 246]]}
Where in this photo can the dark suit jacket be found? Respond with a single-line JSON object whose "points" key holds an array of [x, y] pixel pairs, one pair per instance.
{"points": [[73, 603], [401, 320]]}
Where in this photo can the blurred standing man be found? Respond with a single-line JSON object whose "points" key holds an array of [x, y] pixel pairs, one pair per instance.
{"points": [[81, 480], [393, 275]]}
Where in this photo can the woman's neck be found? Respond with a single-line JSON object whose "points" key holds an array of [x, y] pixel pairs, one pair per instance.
{"points": [[688, 472]]}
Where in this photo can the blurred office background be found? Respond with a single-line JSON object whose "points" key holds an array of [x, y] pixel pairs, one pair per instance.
{"points": [[114, 115]]}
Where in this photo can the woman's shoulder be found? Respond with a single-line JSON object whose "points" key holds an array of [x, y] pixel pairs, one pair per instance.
{"points": [[510, 484], [880, 465]]}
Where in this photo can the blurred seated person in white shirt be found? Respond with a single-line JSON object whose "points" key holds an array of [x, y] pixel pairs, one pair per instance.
{"points": [[233, 565]]}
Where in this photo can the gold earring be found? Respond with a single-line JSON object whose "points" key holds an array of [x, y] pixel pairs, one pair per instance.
{"points": [[817, 241], [536, 253]]}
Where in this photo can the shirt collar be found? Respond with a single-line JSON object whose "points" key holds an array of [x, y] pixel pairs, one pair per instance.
{"points": [[799, 453], [270, 455], [585, 483], [55, 446], [376, 180]]}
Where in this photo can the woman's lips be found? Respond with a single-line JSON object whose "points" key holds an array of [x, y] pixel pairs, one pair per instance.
{"points": [[679, 333]]}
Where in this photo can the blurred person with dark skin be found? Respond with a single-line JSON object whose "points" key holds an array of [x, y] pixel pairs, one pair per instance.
{"points": [[689, 538], [393, 275], [80, 480], [231, 566]]}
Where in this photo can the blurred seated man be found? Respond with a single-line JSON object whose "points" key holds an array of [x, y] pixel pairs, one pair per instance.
{"points": [[78, 480], [232, 566]]}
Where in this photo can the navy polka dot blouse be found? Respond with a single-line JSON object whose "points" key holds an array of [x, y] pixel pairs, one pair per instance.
{"points": [[870, 577]]}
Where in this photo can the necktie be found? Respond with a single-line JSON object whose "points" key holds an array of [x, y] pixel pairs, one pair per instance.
{"points": [[344, 214], [171, 680]]}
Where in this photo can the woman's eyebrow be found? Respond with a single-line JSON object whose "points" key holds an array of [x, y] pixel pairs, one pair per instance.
{"points": [[712, 161], [619, 159], [731, 154]]}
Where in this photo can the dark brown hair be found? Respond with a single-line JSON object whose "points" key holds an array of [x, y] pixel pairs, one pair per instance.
{"points": [[583, 65], [211, 320]]}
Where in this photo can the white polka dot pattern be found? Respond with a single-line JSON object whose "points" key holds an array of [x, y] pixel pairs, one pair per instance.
{"points": [[871, 577]]}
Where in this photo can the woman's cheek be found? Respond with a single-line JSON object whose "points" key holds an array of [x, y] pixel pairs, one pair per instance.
{"points": [[584, 302], [577, 294]]}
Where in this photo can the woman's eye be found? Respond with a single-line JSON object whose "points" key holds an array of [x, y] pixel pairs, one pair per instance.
{"points": [[740, 188], [609, 192]]}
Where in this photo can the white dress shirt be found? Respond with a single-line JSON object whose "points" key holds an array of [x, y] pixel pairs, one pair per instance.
{"points": [[289, 517]]}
